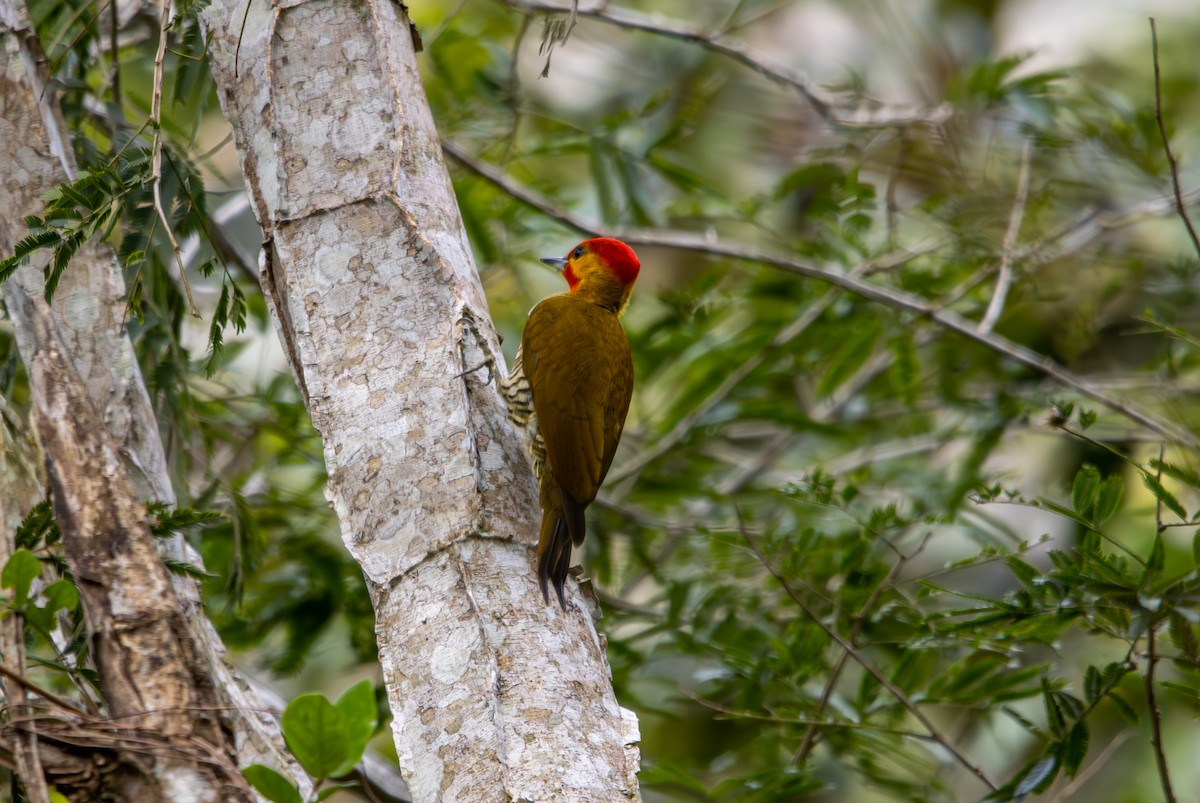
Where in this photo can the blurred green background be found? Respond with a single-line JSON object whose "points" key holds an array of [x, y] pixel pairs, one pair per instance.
{"points": [[998, 547]]}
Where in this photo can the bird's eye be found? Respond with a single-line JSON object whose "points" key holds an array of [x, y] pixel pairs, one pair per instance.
{"points": [[577, 253]]}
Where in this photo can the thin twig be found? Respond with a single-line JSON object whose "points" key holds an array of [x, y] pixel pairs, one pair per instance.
{"points": [[1160, 756], [156, 177], [734, 712], [1158, 502], [513, 88], [46, 694], [115, 84], [882, 294], [861, 660], [1162, 130], [685, 425], [1098, 763], [1009, 244], [823, 105], [809, 739]]}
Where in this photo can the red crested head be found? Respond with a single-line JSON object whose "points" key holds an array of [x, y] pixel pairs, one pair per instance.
{"points": [[616, 256], [601, 267]]}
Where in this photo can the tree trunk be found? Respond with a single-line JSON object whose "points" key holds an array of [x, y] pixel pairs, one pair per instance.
{"points": [[161, 663], [496, 695]]}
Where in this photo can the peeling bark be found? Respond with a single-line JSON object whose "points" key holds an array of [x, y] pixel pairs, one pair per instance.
{"points": [[161, 662], [496, 696]]}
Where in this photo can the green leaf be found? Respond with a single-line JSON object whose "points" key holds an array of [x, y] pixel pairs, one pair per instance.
{"points": [[1108, 499], [1074, 748], [332, 789], [357, 707], [1022, 570], [1156, 561], [1184, 475], [216, 339], [670, 776], [1183, 635], [1040, 775], [1163, 495], [316, 733], [1123, 708], [61, 595], [1083, 492], [850, 356], [906, 369], [1187, 690], [1092, 684], [19, 573], [271, 785]]}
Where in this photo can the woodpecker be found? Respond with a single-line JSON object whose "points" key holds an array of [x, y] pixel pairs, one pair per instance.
{"points": [[570, 388]]}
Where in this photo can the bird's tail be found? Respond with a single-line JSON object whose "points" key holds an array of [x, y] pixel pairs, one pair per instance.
{"points": [[562, 523]]}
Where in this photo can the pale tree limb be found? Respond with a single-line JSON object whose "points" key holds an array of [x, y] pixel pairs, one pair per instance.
{"points": [[888, 296], [1180, 206], [366, 268], [828, 107], [1008, 246], [1098, 763], [96, 375]]}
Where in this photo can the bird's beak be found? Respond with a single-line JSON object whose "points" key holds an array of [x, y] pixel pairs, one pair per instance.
{"points": [[558, 263]]}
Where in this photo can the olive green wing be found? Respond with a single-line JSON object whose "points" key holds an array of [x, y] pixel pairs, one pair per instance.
{"points": [[576, 358]]}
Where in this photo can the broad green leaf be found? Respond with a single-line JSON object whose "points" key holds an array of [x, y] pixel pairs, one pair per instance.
{"points": [[357, 707], [61, 595], [316, 733], [271, 785], [19, 573]]}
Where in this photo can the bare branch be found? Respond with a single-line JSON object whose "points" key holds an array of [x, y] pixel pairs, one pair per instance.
{"points": [[1162, 130], [824, 105], [1008, 246], [888, 296], [1160, 756], [164, 31]]}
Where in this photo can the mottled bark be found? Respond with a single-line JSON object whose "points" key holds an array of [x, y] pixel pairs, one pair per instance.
{"points": [[496, 695], [157, 653]]}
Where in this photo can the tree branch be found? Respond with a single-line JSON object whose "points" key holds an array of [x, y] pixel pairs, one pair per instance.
{"points": [[1162, 130], [824, 105], [156, 177], [1160, 756], [888, 296], [1008, 247]]}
